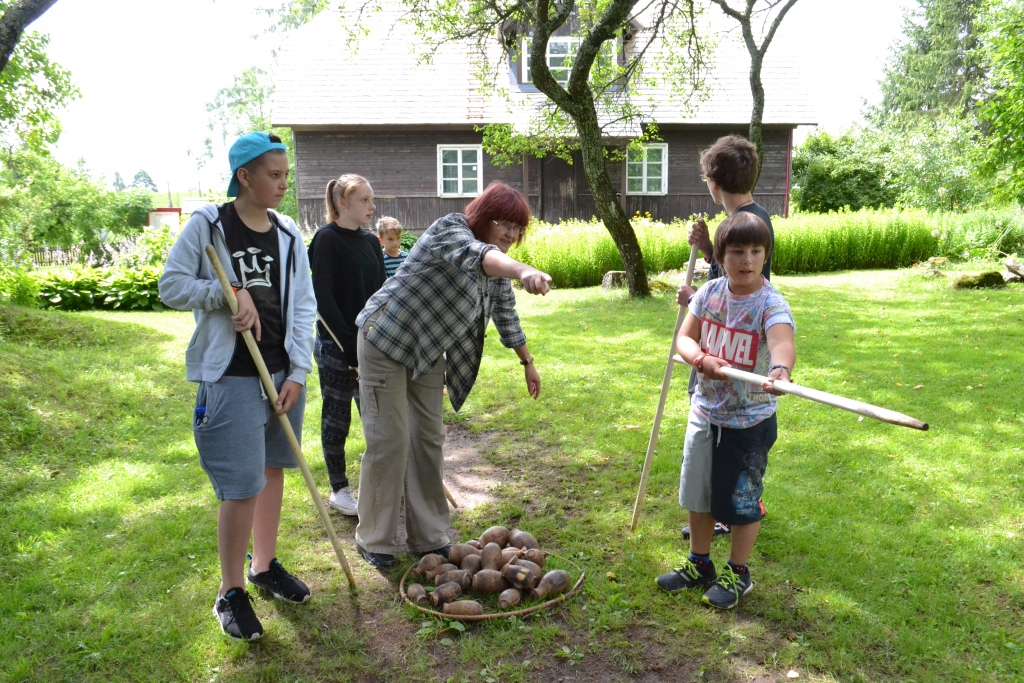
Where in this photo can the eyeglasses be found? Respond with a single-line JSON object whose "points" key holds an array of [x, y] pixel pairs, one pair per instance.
{"points": [[514, 230]]}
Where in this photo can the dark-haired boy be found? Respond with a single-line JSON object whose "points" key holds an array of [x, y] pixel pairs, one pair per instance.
{"points": [[729, 167], [242, 446], [735, 321]]}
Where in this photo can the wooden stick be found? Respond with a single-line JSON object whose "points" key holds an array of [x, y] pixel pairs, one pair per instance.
{"points": [[865, 409], [447, 493], [665, 383], [268, 384]]}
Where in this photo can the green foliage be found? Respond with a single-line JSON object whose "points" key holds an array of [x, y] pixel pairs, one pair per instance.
{"points": [[33, 88], [18, 286], [578, 254], [408, 240], [46, 204], [142, 181], [129, 289], [71, 289], [148, 249], [830, 173], [1004, 110], [938, 68]]}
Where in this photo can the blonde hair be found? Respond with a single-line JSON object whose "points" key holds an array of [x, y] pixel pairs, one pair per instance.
{"points": [[339, 189], [387, 224]]}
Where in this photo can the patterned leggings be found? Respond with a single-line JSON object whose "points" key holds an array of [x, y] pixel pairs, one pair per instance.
{"points": [[338, 386]]}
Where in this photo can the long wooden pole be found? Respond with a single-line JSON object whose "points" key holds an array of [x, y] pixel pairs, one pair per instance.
{"points": [[865, 409], [268, 384], [447, 493], [665, 383]]}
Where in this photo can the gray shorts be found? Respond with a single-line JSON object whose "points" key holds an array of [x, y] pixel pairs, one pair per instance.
{"points": [[240, 435], [695, 476]]}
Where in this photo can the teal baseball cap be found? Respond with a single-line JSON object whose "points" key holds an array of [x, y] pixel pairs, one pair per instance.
{"points": [[244, 150]]}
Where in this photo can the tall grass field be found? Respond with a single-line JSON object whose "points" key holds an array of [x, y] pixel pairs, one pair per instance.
{"points": [[578, 254]]}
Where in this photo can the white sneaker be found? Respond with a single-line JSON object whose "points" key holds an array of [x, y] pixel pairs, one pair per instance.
{"points": [[343, 502]]}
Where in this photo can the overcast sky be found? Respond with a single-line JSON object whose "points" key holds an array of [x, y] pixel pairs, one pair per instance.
{"points": [[147, 71]]}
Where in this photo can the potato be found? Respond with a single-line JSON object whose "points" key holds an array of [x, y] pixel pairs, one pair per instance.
{"points": [[523, 578], [459, 552], [490, 557], [472, 564], [416, 593], [464, 608], [475, 543], [440, 569], [521, 562], [496, 534], [521, 539], [554, 583], [536, 556], [488, 582], [428, 563], [445, 593], [509, 598], [463, 578]]}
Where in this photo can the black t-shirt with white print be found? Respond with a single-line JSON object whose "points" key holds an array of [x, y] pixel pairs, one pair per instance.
{"points": [[255, 259]]}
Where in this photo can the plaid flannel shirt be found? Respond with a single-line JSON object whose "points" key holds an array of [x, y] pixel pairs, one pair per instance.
{"points": [[439, 303]]}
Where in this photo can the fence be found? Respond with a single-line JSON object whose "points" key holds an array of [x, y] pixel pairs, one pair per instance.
{"points": [[57, 256]]}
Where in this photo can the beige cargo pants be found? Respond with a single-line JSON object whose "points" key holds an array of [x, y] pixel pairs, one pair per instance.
{"points": [[402, 423]]}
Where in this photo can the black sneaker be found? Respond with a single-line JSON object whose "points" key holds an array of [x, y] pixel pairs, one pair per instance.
{"points": [[443, 552], [730, 587], [235, 615], [720, 530], [376, 560], [278, 581], [690, 574]]}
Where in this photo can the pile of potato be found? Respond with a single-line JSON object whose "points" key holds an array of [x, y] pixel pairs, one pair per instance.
{"points": [[501, 562]]}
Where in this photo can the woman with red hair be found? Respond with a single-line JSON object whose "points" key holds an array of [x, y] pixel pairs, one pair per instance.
{"points": [[423, 329]]}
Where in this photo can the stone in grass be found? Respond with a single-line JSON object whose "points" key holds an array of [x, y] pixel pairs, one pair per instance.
{"points": [[613, 279], [1009, 276], [985, 280]]}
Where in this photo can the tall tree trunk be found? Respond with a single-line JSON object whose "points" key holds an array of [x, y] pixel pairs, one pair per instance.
{"points": [[608, 206], [13, 22], [756, 135]]}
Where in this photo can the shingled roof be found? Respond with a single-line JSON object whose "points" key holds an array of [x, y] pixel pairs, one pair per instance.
{"points": [[323, 81]]}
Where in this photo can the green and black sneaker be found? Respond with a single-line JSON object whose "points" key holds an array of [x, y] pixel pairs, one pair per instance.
{"points": [[730, 587], [689, 574]]}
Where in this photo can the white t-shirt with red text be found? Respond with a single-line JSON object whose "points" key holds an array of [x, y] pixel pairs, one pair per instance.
{"points": [[734, 328]]}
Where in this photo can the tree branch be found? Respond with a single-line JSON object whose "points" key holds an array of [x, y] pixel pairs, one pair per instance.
{"points": [[13, 23], [775, 26]]}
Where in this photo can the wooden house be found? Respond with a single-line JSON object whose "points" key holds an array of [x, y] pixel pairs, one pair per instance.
{"points": [[372, 108]]}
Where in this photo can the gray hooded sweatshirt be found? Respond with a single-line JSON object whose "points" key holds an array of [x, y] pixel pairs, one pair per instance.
{"points": [[188, 282]]}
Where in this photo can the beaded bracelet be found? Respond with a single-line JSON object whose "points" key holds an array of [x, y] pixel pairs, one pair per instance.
{"points": [[783, 367]]}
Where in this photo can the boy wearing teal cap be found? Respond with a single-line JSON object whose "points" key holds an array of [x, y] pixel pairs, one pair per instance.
{"points": [[241, 446]]}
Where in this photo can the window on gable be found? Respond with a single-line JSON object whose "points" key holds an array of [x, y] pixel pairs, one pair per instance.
{"points": [[559, 55], [459, 170], [647, 170]]}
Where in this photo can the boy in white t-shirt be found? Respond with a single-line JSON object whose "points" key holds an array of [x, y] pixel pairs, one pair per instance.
{"points": [[736, 321]]}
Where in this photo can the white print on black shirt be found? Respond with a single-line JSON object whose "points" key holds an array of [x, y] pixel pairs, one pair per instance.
{"points": [[246, 270], [738, 347]]}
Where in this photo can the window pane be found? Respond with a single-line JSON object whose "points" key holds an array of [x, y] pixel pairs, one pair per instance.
{"points": [[635, 155], [635, 170], [469, 186], [469, 156], [449, 171], [635, 185], [654, 170], [654, 184], [558, 47], [654, 154], [450, 186], [469, 171], [449, 156]]}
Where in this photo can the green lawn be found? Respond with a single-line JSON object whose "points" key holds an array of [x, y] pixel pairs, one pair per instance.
{"points": [[887, 554]]}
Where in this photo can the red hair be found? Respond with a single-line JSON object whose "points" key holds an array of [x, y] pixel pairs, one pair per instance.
{"points": [[499, 202]]}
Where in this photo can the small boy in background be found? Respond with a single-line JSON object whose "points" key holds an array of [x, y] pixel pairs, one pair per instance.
{"points": [[741, 321], [389, 230]]}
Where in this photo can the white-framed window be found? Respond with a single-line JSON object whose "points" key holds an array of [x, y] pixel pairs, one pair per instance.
{"points": [[460, 170], [559, 55], [647, 170]]}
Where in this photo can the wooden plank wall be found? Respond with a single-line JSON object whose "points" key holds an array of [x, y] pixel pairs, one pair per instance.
{"points": [[402, 167]]}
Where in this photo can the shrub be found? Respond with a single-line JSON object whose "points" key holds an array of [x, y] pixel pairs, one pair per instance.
{"points": [[70, 289], [129, 289], [18, 286]]}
